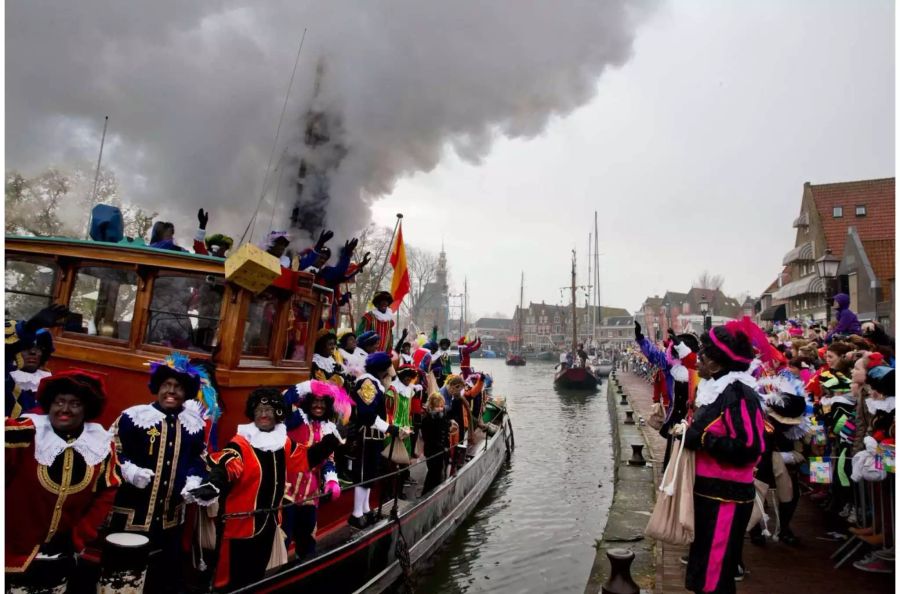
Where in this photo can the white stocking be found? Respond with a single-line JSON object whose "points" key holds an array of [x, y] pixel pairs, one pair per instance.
{"points": [[360, 501], [366, 500]]}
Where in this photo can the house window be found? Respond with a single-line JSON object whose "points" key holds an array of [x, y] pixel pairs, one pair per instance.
{"points": [[837, 212], [860, 210]]}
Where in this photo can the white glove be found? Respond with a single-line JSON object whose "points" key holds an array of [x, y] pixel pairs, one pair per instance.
{"points": [[871, 444], [329, 428], [678, 428], [191, 483], [792, 457], [137, 476]]}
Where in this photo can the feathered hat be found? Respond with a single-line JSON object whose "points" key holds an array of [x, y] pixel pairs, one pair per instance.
{"points": [[177, 366], [337, 399], [377, 363]]}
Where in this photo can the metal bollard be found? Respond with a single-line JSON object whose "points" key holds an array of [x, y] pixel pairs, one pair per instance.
{"points": [[624, 399], [637, 455], [629, 417], [620, 581]]}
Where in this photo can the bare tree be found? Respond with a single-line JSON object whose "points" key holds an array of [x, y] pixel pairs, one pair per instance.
{"points": [[58, 202], [376, 240], [706, 280], [423, 267]]}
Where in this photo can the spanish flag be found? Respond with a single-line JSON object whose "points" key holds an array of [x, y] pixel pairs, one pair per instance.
{"points": [[400, 281]]}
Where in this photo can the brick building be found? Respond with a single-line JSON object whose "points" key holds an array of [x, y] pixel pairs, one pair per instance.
{"points": [[856, 219]]}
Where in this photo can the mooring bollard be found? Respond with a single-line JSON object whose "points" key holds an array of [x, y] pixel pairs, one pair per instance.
{"points": [[629, 417], [637, 455], [620, 581], [624, 399]]}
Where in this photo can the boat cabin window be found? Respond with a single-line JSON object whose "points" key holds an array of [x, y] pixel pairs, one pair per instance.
{"points": [[102, 302], [261, 319], [299, 317], [184, 311], [29, 287]]}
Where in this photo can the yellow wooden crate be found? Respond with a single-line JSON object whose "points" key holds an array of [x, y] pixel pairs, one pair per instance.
{"points": [[252, 268]]}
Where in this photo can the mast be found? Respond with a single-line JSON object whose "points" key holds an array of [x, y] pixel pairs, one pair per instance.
{"points": [[574, 309], [599, 311], [589, 302], [521, 301]]}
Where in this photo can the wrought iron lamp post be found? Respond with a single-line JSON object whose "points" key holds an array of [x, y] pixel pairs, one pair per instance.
{"points": [[827, 270]]}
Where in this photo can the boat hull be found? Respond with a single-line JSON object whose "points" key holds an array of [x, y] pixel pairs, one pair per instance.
{"points": [[576, 378], [368, 563], [515, 360]]}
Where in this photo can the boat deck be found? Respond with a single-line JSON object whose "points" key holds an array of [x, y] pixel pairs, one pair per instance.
{"points": [[338, 537]]}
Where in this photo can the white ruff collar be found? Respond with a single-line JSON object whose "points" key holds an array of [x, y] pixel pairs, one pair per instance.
{"points": [[326, 364], [887, 405], [405, 391], [839, 399], [93, 444], [679, 372], [267, 441], [145, 416], [708, 391], [28, 381], [387, 316]]}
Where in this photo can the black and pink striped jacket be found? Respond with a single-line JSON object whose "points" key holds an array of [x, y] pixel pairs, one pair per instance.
{"points": [[728, 436]]}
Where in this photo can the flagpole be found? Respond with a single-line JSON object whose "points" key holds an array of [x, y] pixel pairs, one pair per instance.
{"points": [[387, 257]]}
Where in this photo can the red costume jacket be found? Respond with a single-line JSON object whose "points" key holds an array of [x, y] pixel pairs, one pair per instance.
{"points": [[385, 330], [56, 493]]}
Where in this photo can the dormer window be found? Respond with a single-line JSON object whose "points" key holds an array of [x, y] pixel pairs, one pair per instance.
{"points": [[837, 212], [860, 210]]}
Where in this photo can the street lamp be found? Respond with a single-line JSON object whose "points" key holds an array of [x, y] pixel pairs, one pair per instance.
{"points": [[704, 310], [827, 269]]}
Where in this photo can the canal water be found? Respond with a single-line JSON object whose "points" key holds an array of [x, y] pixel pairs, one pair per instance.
{"points": [[535, 529]]}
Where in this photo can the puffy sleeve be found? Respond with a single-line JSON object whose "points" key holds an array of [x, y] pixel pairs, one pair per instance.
{"points": [[740, 440], [19, 435], [226, 466], [296, 459], [653, 354]]}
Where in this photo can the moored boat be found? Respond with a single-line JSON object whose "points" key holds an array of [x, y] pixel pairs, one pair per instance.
{"points": [[515, 357], [132, 304], [515, 360], [602, 367], [576, 378]]}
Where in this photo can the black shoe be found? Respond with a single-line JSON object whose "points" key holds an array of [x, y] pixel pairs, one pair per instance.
{"points": [[358, 523], [373, 517], [789, 539], [740, 573]]}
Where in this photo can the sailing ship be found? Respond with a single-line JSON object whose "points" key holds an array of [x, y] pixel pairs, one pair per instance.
{"points": [[132, 304], [515, 357], [575, 377]]}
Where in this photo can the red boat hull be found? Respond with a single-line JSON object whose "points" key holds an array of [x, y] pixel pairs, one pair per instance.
{"points": [[576, 378], [515, 360]]}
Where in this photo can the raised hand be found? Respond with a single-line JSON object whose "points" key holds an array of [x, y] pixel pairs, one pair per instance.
{"points": [[637, 331], [202, 218], [55, 315], [324, 236]]}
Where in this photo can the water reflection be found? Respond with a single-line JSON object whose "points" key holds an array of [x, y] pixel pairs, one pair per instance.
{"points": [[534, 531]]}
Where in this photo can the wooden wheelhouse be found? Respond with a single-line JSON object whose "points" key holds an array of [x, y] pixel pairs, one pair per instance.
{"points": [[133, 304]]}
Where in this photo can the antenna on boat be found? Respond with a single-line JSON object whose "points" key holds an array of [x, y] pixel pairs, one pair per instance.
{"points": [[97, 173], [251, 225]]}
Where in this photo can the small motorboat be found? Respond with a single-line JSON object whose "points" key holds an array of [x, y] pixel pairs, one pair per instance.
{"points": [[602, 367], [515, 360]]}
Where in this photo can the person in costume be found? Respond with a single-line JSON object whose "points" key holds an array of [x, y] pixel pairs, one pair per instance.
{"points": [[353, 356], [161, 450], [681, 361], [276, 244], [786, 425], [370, 426], [726, 432], [315, 409], [218, 245], [399, 395], [466, 348], [379, 320], [29, 345], [369, 342], [253, 470], [61, 475], [325, 367], [342, 273], [436, 440], [441, 365]]}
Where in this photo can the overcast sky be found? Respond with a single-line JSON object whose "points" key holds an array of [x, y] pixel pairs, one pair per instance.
{"points": [[690, 126], [694, 154]]}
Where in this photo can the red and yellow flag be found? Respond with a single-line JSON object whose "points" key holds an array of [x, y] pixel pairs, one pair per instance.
{"points": [[400, 281]]}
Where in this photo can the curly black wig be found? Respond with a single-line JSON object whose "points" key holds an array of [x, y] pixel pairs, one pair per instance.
{"points": [[306, 406], [270, 396]]}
